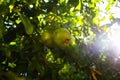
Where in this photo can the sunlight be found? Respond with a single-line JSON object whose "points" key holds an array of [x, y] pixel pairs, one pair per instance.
{"points": [[114, 36], [114, 29]]}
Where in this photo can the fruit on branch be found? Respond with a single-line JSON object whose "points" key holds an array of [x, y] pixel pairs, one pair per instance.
{"points": [[62, 37], [46, 38]]}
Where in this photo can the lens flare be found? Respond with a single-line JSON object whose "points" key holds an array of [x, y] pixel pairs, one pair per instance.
{"points": [[114, 36]]}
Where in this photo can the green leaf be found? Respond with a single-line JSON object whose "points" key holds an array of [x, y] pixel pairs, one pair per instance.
{"points": [[12, 65], [61, 1], [27, 24], [108, 7]]}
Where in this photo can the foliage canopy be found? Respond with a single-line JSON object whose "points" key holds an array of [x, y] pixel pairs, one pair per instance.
{"points": [[24, 56]]}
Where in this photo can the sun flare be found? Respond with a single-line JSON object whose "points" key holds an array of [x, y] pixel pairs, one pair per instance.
{"points": [[114, 36]]}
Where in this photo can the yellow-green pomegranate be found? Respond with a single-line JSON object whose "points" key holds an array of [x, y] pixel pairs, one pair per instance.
{"points": [[46, 38], [62, 37]]}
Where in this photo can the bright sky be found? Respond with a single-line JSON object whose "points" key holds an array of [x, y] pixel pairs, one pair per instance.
{"points": [[115, 10]]}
